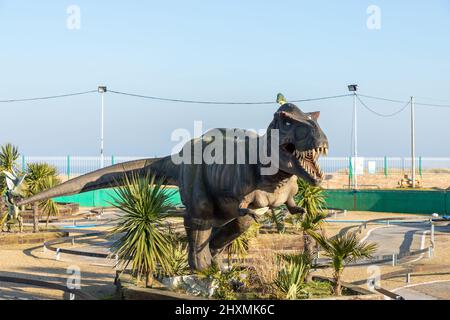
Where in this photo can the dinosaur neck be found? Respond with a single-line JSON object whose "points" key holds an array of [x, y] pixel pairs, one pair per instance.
{"points": [[279, 176]]}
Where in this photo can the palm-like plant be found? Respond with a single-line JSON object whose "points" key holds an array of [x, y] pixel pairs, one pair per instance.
{"points": [[239, 246], [275, 217], [299, 258], [343, 249], [311, 222], [36, 174], [310, 198], [49, 206], [143, 241], [224, 281], [291, 278], [177, 260], [40, 177], [8, 157]]}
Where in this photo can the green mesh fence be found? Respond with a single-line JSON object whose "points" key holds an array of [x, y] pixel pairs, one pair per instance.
{"points": [[399, 201]]}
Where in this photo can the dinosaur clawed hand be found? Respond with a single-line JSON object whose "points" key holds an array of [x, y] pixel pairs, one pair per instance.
{"points": [[297, 210], [254, 213]]}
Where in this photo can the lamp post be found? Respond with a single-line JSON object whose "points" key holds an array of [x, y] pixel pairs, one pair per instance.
{"points": [[102, 90], [353, 88], [413, 146]]}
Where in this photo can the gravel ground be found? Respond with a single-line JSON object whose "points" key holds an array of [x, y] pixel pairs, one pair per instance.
{"points": [[97, 275], [29, 261]]}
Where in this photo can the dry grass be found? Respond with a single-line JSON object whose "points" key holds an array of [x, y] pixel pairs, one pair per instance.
{"points": [[266, 270]]}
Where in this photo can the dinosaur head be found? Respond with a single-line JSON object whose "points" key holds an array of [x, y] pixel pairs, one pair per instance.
{"points": [[301, 142]]}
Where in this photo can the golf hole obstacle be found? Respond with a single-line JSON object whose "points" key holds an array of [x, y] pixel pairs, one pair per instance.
{"points": [[72, 294], [52, 246]]}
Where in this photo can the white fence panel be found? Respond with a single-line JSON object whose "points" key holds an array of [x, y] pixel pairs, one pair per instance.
{"points": [[78, 165]]}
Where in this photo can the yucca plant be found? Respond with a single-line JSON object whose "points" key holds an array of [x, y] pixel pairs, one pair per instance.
{"points": [[177, 260], [40, 177], [310, 198], [143, 241], [8, 157], [343, 249], [239, 246], [291, 277], [311, 222], [49, 206], [225, 282], [37, 173], [299, 258], [275, 217]]}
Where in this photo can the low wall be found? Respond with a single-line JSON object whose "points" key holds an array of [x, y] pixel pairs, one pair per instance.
{"points": [[408, 201], [29, 238], [401, 201]]}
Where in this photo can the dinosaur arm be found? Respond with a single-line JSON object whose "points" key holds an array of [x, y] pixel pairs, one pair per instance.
{"points": [[292, 206]]}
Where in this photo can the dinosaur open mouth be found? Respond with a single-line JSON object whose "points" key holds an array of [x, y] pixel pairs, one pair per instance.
{"points": [[308, 159]]}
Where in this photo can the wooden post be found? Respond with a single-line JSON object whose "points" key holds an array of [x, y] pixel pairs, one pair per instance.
{"points": [[35, 217]]}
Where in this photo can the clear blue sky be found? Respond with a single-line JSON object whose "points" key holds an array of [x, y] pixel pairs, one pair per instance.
{"points": [[220, 50]]}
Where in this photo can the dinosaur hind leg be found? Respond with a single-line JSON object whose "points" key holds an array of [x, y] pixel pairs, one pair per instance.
{"points": [[199, 233], [224, 235]]}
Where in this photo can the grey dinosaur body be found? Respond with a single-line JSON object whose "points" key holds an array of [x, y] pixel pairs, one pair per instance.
{"points": [[220, 198]]}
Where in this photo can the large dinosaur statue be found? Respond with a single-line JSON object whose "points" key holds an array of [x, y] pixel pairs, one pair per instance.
{"points": [[221, 199]]}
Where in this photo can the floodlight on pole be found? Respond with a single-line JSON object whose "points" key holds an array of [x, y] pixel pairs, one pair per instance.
{"points": [[353, 88], [102, 90]]}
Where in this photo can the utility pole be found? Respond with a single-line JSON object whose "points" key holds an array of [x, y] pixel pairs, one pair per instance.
{"points": [[102, 90], [413, 145], [353, 88]]}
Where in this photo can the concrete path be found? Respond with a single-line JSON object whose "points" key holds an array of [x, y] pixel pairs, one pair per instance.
{"points": [[397, 239], [402, 239], [435, 290]]}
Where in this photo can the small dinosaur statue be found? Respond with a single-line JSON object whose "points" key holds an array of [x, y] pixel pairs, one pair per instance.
{"points": [[221, 199], [13, 194]]}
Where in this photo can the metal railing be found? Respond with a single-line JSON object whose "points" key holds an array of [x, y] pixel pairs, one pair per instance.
{"points": [[77, 165]]}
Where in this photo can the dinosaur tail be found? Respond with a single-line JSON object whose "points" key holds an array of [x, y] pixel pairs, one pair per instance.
{"points": [[112, 176]]}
